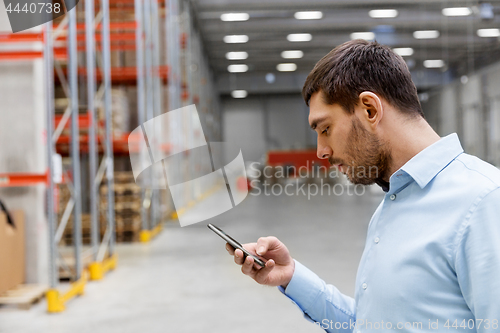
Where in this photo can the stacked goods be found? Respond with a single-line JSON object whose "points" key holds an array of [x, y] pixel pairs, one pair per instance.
{"points": [[86, 230], [120, 118], [67, 238], [62, 192], [127, 207]]}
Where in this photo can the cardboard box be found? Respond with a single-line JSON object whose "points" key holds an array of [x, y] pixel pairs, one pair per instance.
{"points": [[12, 260]]}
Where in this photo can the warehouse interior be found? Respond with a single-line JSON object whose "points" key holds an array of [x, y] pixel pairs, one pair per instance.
{"points": [[85, 104]]}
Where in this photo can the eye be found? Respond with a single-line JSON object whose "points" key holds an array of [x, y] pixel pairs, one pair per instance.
{"points": [[325, 131]]}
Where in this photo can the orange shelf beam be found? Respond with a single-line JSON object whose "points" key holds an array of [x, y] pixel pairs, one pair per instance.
{"points": [[124, 74], [20, 37], [120, 144], [21, 55], [22, 179]]}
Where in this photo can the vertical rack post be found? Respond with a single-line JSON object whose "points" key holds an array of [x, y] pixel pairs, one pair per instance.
{"points": [[93, 186], [172, 35], [157, 109], [109, 131], [150, 95], [48, 58], [75, 141], [55, 301], [139, 49], [174, 80], [188, 54]]}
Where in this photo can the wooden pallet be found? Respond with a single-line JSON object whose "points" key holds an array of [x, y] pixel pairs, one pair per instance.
{"points": [[122, 189], [130, 207], [122, 177], [23, 296]]}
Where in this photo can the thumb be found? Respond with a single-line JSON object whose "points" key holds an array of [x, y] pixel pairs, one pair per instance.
{"points": [[265, 244]]}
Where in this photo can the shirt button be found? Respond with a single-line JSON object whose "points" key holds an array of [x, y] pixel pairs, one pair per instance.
{"points": [[392, 197], [377, 240], [364, 286]]}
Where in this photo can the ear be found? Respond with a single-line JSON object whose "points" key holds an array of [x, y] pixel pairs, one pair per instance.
{"points": [[370, 109]]}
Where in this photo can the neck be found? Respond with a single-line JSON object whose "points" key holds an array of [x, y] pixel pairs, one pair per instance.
{"points": [[406, 139]]}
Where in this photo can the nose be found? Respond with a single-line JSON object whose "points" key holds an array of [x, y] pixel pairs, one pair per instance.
{"points": [[324, 152]]}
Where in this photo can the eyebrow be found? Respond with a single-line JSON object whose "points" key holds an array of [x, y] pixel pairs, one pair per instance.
{"points": [[317, 121]]}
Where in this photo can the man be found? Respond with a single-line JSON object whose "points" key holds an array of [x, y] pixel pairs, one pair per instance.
{"points": [[432, 255]]}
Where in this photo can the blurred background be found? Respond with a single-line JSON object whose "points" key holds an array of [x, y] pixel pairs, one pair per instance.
{"points": [[84, 247]]}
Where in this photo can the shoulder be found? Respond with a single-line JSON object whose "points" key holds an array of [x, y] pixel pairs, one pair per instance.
{"points": [[478, 170], [464, 183]]}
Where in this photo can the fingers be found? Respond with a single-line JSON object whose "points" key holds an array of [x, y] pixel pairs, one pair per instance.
{"points": [[265, 244], [229, 249], [238, 257], [247, 267], [261, 276]]}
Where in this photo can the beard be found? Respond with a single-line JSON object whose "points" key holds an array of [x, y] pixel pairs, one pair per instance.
{"points": [[368, 155]]}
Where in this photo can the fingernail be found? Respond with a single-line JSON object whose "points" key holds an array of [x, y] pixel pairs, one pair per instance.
{"points": [[261, 250], [235, 254]]}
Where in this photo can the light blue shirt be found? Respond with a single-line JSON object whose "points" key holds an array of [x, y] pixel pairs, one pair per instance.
{"points": [[431, 261]]}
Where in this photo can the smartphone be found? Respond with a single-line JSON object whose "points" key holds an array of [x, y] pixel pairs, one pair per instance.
{"points": [[235, 244]]}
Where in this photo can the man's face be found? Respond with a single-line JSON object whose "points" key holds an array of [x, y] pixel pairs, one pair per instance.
{"points": [[343, 140]]}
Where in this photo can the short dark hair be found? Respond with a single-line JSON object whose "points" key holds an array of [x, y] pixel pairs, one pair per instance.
{"points": [[357, 66]]}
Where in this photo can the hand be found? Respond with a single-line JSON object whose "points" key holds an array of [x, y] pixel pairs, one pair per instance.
{"points": [[279, 266]]}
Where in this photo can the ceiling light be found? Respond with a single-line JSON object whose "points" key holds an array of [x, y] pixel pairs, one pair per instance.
{"points": [[433, 63], [410, 63], [236, 55], [383, 13], [299, 37], [363, 35], [488, 32], [486, 11], [231, 17], [237, 68], [235, 39], [270, 78], [239, 93], [403, 51], [426, 34], [296, 54], [286, 67], [309, 15], [456, 11]]}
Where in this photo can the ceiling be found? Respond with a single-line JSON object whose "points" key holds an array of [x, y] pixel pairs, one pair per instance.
{"points": [[269, 23]]}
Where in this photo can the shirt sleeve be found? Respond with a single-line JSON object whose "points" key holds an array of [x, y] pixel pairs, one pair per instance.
{"points": [[478, 261], [322, 304]]}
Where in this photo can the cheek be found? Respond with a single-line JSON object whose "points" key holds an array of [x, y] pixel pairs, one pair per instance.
{"points": [[340, 144]]}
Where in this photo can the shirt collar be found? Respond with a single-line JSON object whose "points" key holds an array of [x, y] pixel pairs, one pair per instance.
{"points": [[424, 166]]}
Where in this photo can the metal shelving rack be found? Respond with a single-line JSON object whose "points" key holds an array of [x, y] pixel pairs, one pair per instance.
{"points": [[148, 74], [150, 101], [55, 300], [100, 263]]}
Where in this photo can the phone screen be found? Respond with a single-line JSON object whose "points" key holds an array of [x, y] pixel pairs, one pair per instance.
{"points": [[235, 244]]}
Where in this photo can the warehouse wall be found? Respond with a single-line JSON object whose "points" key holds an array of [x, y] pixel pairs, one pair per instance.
{"points": [[22, 142], [260, 123], [471, 108]]}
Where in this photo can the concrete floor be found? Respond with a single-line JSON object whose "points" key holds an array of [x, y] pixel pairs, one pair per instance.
{"points": [[184, 281]]}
